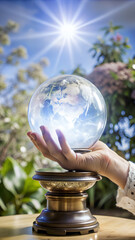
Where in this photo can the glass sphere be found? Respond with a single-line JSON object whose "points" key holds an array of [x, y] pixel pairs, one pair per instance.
{"points": [[73, 105]]}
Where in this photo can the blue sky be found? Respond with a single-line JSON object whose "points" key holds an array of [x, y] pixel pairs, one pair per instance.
{"points": [[39, 20]]}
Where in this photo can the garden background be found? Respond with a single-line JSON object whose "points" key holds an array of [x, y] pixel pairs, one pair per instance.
{"points": [[33, 49]]}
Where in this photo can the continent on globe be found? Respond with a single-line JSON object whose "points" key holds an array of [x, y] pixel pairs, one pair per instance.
{"points": [[73, 105]]}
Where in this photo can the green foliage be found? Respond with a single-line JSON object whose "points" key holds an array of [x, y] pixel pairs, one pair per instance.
{"points": [[114, 75], [18, 192], [110, 48], [79, 71], [102, 195], [120, 110], [116, 81]]}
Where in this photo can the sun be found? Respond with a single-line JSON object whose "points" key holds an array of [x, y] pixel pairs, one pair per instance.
{"points": [[68, 31]]}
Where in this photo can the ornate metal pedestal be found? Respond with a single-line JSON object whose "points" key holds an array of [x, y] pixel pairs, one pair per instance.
{"points": [[66, 210]]}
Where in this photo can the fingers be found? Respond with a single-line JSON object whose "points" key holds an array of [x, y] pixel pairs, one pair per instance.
{"points": [[40, 144], [66, 157], [53, 149], [33, 139], [72, 162], [66, 150]]}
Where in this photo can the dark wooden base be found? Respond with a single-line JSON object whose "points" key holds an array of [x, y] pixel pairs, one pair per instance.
{"points": [[62, 231], [66, 211], [62, 223]]}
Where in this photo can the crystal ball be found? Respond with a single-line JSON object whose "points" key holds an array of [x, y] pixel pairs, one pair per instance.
{"points": [[73, 105]]}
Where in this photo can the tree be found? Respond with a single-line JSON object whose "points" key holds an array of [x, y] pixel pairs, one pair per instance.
{"points": [[111, 47], [15, 95], [116, 81]]}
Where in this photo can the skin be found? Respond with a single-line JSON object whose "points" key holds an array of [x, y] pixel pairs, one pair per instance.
{"points": [[101, 159]]}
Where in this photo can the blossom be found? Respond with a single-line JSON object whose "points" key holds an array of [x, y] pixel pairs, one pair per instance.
{"points": [[111, 77], [118, 37]]}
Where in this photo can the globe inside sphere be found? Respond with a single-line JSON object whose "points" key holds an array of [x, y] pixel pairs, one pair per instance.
{"points": [[73, 105]]}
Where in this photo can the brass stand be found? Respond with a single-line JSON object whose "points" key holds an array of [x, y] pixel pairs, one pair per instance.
{"points": [[66, 210]]}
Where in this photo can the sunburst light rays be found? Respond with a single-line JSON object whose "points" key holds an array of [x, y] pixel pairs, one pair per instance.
{"points": [[67, 33], [34, 35], [45, 50], [108, 14]]}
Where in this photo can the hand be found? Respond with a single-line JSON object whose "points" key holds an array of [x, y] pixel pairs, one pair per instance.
{"points": [[101, 160]]}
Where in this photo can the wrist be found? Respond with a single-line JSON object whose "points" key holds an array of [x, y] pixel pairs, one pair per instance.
{"points": [[118, 170]]}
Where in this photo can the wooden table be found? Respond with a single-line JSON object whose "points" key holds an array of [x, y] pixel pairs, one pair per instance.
{"points": [[19, 227]]}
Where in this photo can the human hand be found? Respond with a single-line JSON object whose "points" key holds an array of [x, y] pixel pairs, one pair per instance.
{"points": [[101, 160]]}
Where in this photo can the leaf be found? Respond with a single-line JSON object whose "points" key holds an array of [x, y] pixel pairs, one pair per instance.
{"points": [[35, 203], [8, 183], [132, 121], [114, 75], [127, 46], [13, 176], [29, 168], [5, 195], [121, 101], [30, 186], [104, 199], [10, 210], [39, 195], [117, 27], [27, 209], [91, 194], [2, 205]]}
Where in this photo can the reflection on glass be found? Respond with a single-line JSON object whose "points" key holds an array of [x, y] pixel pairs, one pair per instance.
{"points": [[73, 105]]}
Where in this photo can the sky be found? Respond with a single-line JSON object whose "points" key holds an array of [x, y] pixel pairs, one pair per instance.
{"points": [[41, 29]]}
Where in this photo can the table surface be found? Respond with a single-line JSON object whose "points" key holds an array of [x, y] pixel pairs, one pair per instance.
{"points": [[19, 227]]}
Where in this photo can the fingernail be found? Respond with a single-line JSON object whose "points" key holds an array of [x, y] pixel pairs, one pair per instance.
{"points": [[42, 129], [33, 136], [28, 134], [58, 133]]}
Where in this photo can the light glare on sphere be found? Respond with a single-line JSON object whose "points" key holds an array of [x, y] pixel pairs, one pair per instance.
{"points": [[73, 105]]}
